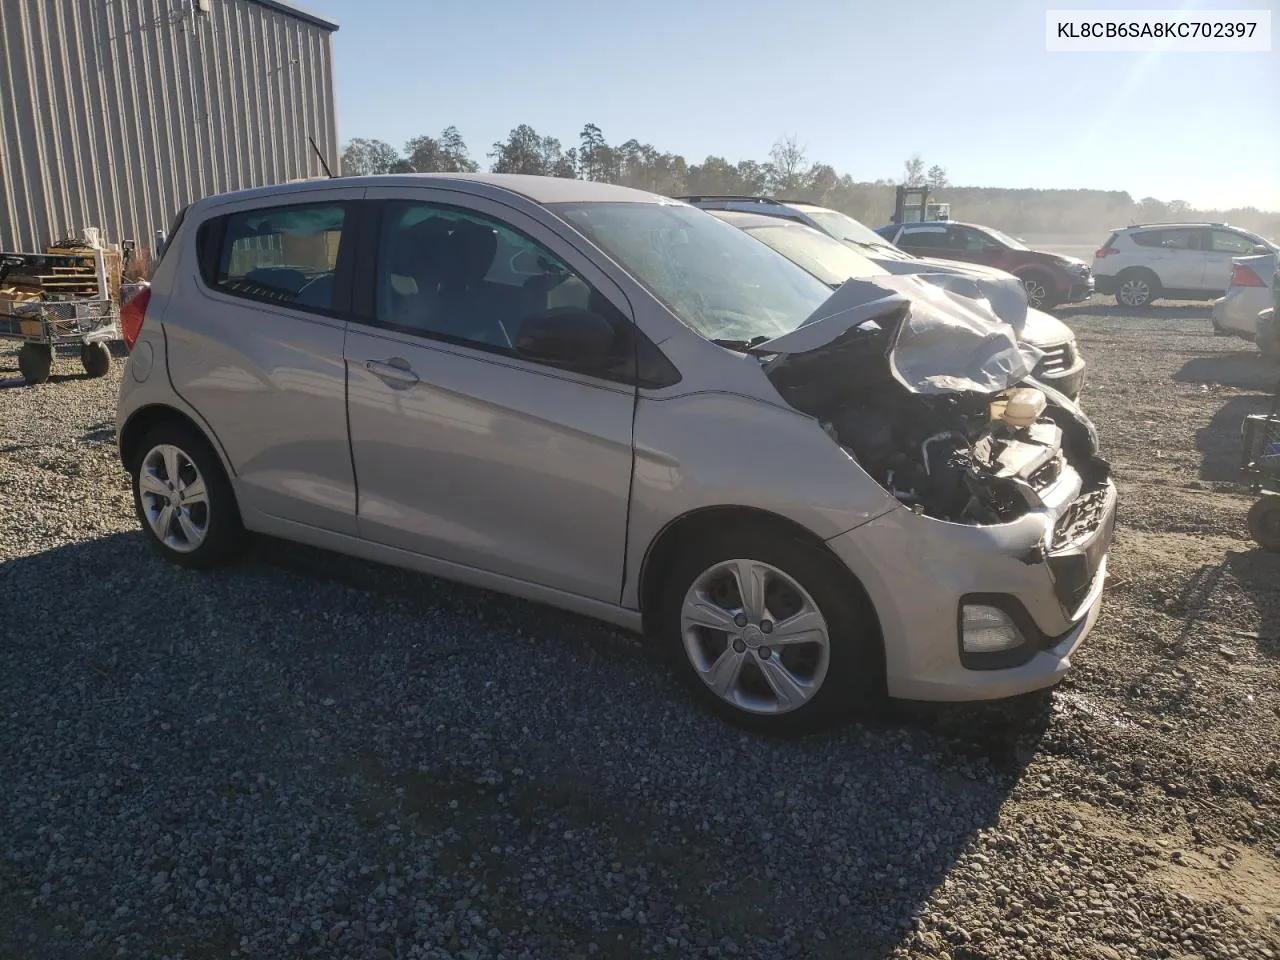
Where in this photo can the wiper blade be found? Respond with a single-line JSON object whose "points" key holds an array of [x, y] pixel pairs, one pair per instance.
{"points": [[742, 346], [868, 245]]}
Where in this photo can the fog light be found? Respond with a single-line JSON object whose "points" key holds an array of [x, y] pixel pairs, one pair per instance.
{"points": [[985, 629]]}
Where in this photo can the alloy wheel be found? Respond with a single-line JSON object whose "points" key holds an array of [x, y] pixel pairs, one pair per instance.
{"points": [[1036, 293], [1135, 292], [175, 500], [755, 637]]}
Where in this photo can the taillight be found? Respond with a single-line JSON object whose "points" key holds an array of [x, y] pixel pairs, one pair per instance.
{"points": [[132, 315], [1104, 252], [1242, 276]]}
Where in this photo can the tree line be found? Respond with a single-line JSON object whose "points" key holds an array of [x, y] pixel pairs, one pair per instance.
{"points": [[787, 173]]}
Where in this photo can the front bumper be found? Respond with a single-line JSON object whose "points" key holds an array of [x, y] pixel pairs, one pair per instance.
{"points": [[1068, 379], [917, 571], [1081, 288]]}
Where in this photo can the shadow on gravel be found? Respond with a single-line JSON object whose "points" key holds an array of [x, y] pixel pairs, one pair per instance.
{"points": [[450, 737], [1258, 574], [1195, 311], [104, 432], [1219, 441], [17, 383], [1246, 369]]}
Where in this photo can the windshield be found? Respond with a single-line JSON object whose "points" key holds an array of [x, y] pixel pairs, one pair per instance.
{"points": [[826, 258], [845, 228], [714, 277], [1007, 240]]}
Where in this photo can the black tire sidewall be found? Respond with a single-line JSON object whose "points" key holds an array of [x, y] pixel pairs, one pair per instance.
{"points": [[225, 536], [1262, 520], [855, 672], [35, 362], [96, 359]]}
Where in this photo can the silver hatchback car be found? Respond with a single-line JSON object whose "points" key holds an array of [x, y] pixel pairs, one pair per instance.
{"points": [[617, 404]]}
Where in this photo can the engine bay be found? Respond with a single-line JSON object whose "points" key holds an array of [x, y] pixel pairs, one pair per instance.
{"points": [[933, 396], [964, 458]]}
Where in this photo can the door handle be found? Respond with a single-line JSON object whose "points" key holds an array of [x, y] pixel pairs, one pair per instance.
{"points": [[395, 371]]}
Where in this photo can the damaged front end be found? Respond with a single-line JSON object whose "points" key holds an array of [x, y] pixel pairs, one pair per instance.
{"points": [[932, 395]]}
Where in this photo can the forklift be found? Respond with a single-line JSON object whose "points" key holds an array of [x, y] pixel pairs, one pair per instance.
{"points": [[916, 204]]}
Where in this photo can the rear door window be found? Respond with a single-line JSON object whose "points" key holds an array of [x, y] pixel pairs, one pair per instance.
{"points": [[934, 238], [286, 255]]}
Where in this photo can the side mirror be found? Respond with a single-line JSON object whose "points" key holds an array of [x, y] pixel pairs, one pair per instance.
{"points": [[569, 337], [1260, 248]]}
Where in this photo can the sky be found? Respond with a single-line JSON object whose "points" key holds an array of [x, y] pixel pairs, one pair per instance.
{"points": [[861, 84]]}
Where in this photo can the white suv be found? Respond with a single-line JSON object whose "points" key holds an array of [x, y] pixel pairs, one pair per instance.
{"points": [[1177, 261]]}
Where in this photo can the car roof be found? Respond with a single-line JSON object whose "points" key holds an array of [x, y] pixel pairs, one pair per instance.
{"points": [[807, 207], [744, 219], [1175, 223], [541, 190], [941, 223]]}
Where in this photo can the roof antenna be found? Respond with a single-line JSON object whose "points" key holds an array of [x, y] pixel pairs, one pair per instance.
{"points": [[320, 157]]}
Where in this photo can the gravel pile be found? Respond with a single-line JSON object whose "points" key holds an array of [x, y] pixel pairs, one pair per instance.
{"points": [[307, 756]]}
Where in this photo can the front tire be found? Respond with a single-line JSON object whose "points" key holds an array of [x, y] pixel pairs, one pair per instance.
{"points": [[35, 362], [1137, 288], [770, 633], [184, 500]]}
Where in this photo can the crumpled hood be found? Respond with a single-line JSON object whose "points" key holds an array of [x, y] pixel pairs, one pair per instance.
{"points": [[1004, 291], [932, 338], [1007, 295]]}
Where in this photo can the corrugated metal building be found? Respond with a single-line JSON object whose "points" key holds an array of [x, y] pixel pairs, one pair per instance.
{"points": [[116, 113]]}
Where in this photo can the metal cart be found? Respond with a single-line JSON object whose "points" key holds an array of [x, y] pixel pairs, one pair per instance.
{"points": [[58, 324], [1260, 460]]}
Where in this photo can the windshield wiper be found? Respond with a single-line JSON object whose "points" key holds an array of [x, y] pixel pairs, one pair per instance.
{"points": [[868, 245], [742, 346]]}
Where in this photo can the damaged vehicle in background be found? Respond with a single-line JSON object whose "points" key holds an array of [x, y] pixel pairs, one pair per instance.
{"points": [[1060, 364], [592, 397]]}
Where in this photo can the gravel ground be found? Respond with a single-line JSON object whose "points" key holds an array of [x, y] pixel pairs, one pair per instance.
{"points": [[310, 756]]}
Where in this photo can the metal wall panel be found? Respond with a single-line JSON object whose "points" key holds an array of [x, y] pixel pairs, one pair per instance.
{"points": [[116, 113]]}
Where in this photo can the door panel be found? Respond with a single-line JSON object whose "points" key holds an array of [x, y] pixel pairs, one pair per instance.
{"points": [[490, 461], [1187, 258], [464, 450], [255, 344]]}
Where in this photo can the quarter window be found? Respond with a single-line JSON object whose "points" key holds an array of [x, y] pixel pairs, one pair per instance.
{"points": [[283, 254]]}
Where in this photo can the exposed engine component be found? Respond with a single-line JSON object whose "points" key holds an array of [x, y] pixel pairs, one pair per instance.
{"points": [[933, 396], [951, 457]]}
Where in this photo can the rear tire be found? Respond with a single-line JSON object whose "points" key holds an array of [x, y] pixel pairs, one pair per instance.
{"points": [[833, 663], [35, 362], [1264, 522], [96, 359], [1137, 288], [184, 500]]}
